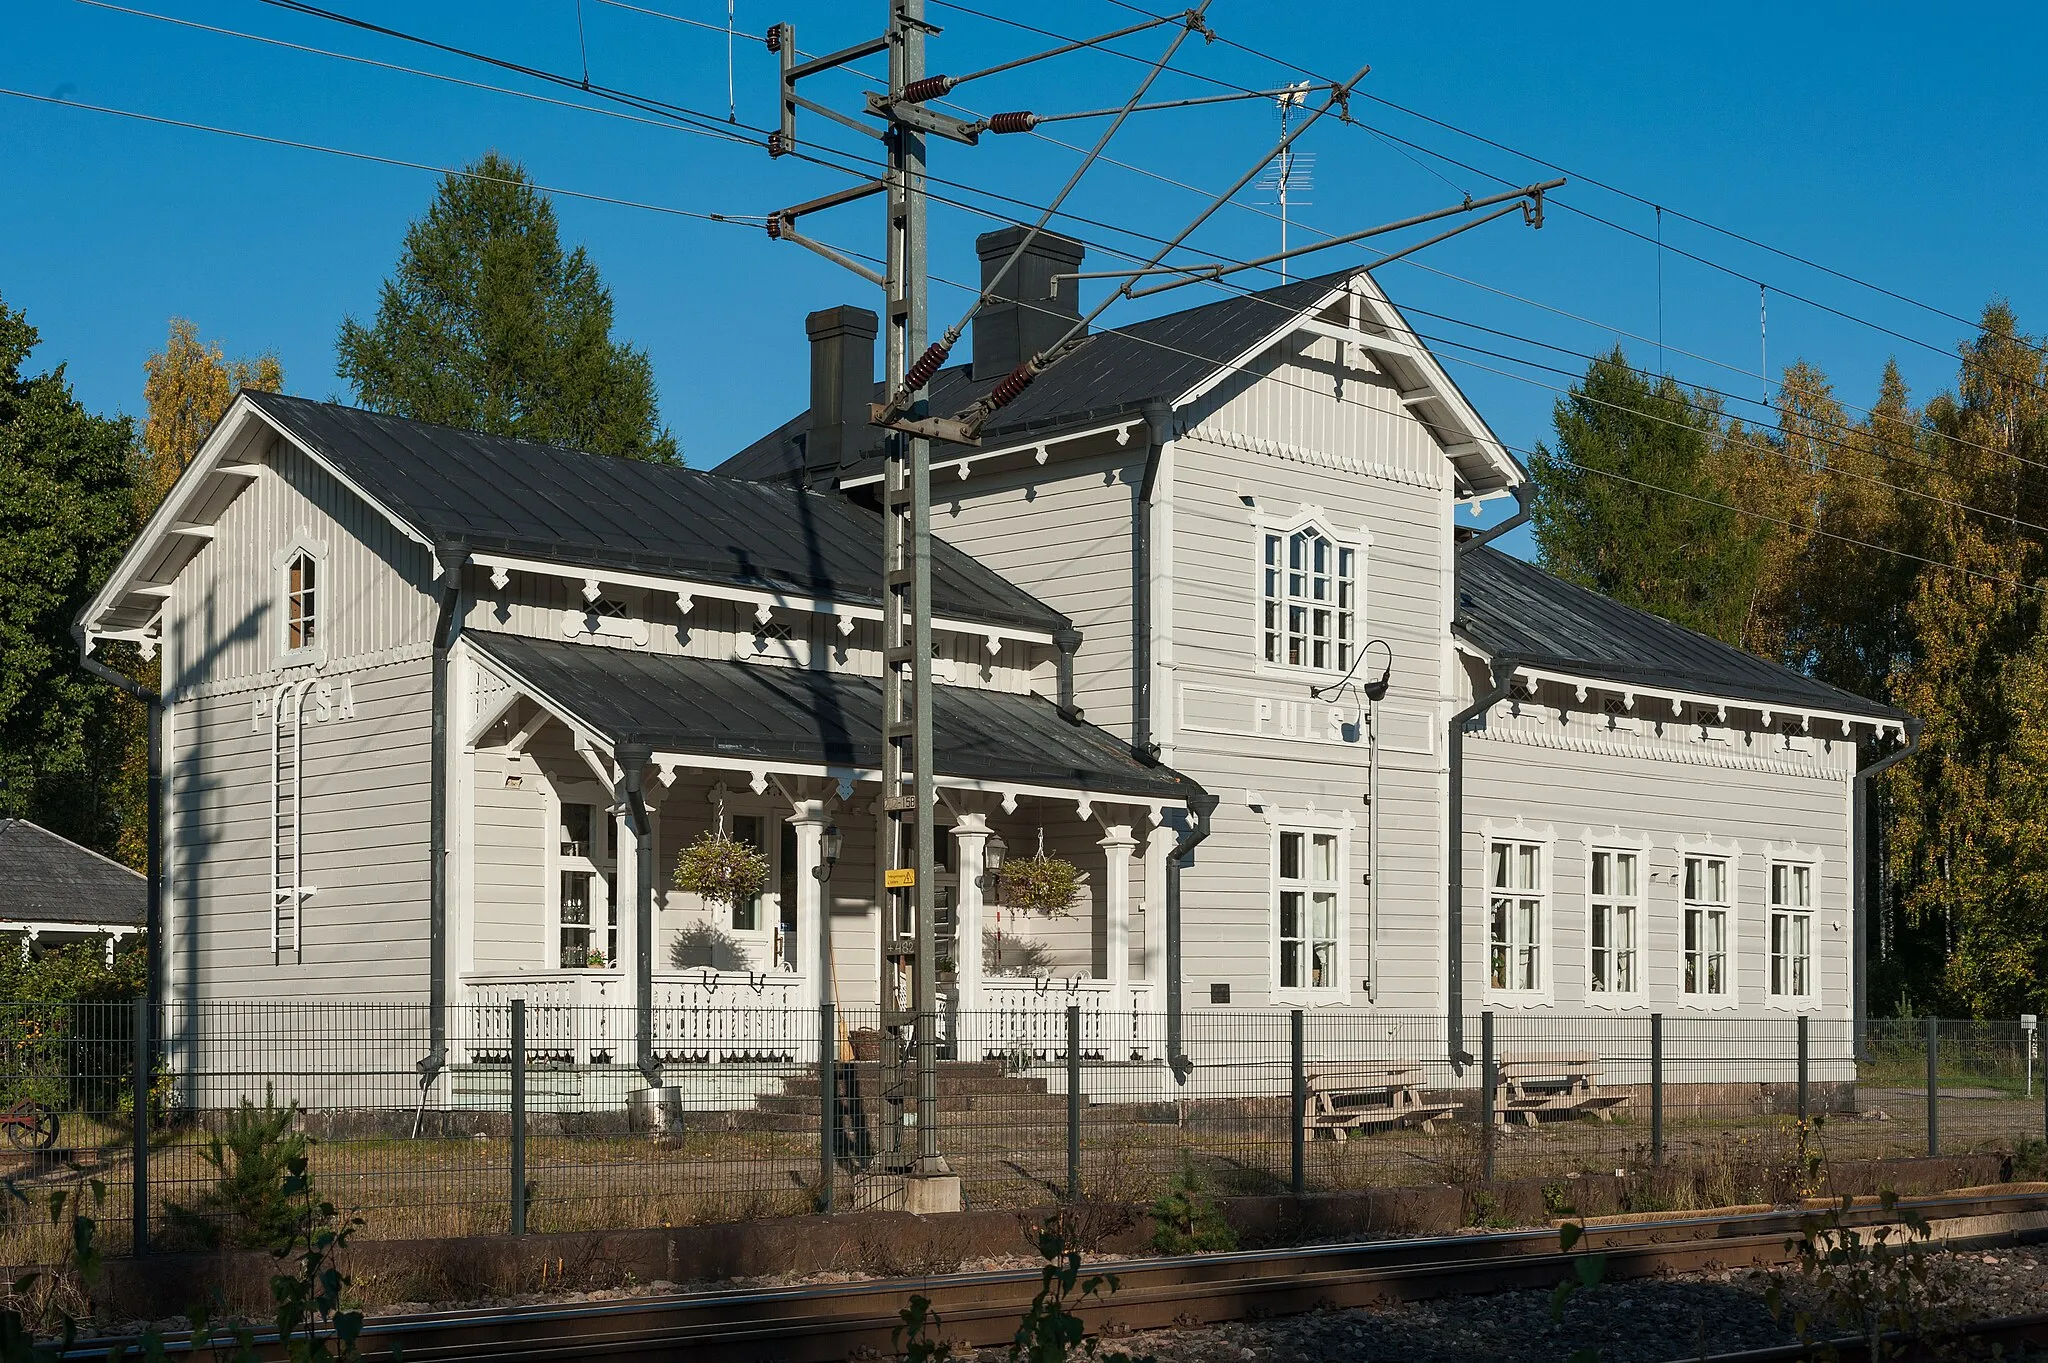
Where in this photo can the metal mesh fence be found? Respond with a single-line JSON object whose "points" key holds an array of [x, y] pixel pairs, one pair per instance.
{"points": [[741, 1113]]}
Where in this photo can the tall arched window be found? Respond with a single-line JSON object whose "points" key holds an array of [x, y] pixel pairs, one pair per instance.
{"points": [[1310, 589], [301, 600]]}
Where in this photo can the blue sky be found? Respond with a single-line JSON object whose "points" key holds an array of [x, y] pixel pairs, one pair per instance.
{"points": [[1865, 137]]}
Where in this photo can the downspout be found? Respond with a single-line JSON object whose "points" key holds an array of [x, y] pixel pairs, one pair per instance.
{"points": [[1861, 910], [153, 701], [452, 557], [1454, 916], [632, 759], [1202, 812], [1159, 430], [1524, 494]]}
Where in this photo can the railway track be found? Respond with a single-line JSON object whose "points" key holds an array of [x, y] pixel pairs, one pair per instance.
{"points": [[826, 1323]]}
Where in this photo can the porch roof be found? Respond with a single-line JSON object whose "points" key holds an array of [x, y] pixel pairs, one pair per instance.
{"points": [[768, 715]]}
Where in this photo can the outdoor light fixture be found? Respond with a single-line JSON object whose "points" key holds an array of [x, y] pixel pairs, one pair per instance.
{"points": [[992, 855], [1375, 690], [830, 844]]}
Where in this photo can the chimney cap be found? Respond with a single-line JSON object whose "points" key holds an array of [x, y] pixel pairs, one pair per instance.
{"points": [[844, 320], [1003, 240]]}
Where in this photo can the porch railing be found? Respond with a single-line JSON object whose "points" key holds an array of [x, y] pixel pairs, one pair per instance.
{"points": [[706, 1016], [587, 1017], [1028, 1018]]}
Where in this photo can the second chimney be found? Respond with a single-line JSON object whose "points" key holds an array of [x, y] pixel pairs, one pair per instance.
{"points": [[1025, 314], [842, 388]]}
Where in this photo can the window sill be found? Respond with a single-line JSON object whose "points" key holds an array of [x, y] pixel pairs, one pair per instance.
{"points": [[1793, 1003], [1711, 1003], [1311, 998], [1519, 998], [1616, 1002], [313, 655]]}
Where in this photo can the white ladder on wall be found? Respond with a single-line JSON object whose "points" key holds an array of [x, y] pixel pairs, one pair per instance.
{"points": [[287, 756]]}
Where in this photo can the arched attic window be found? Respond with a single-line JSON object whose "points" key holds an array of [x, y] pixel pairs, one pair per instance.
{"points": [[1309, 586]]}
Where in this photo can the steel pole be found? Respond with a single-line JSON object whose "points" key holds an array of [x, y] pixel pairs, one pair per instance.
{"points": [[519, 1116], [1657, 1090], [142, 1097], [1933, 1087], [828, 1105], [1805, 1055], [1073, 1102], [1298, 1106], [1487, 1088]]}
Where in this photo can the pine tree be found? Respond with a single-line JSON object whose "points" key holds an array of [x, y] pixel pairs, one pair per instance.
{"points": [[1628, 503], [490, 325]]}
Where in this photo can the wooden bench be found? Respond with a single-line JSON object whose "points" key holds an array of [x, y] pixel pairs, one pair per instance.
{"points": [[1343, 1098], [1530, 1084]]}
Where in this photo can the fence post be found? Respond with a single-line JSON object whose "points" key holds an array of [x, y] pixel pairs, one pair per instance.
{"points": [[1656, 1090], [1298, 1107], [1487, 1086], [828, 1104], [1073, 1102], [142, 1097], [519, 1116], [1804, 1058], [1933, 1087]]}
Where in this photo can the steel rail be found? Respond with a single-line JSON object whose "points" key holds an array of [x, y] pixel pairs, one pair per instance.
{"points": [[825, 1323]]}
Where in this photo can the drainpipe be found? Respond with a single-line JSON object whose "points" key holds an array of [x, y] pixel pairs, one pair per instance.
{"points": [[452, 556], [1861, 910], [1067, 640], [1202, 809], [1525, 493], [152, 922], [632, 759], [1159, 429], [1454, 917]]}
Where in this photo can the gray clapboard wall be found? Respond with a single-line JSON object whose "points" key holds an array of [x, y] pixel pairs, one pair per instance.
{"points": [[367, 723]]}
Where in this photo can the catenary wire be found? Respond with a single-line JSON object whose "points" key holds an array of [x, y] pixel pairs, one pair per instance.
{"points": [[719, 29], [738, 219], [735, 217]]}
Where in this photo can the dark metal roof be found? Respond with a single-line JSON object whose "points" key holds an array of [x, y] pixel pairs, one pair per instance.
{"points": [[48, 879], [1515, 610], [1114, 373], [760, 711], [593, 510]]}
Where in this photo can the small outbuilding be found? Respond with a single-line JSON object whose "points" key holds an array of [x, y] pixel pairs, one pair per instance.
{"points": [[54, 892]]}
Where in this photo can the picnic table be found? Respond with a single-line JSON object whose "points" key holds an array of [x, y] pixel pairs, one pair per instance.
{"points": [[1348, 1097], [1532, 1083]]}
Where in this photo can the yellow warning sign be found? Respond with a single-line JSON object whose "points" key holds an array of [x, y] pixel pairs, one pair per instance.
{"points": [[900, 877]]}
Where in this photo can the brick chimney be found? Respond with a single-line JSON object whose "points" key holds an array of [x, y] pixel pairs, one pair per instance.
{"points": [[842, 387], [1025, 315]]}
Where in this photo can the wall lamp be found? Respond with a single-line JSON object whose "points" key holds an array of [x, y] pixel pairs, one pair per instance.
{"points": [[830, 844], [993, 853]]}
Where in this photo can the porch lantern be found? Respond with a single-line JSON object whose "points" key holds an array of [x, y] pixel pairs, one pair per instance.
{"points": [[830, 844], [992, 854]]}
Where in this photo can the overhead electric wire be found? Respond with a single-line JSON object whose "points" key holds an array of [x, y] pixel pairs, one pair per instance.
{"points": [[719, 217], [719, 29], [738, 219]]}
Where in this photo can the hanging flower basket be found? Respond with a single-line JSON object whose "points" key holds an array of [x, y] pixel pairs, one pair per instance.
{"points": [[723, 870], [1041, 884]]}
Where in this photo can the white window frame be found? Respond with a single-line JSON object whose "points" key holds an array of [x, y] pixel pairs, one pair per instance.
{"points": [[1544, 838], [604, 917], [1310, 825], [759, 940], [1791, 857], [1358, 544], [1731, 853], [1616, 844], [315, 551]]}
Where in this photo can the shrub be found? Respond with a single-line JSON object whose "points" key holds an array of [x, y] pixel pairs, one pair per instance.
{"points": [[1041, 884], [256, 1200], [1186, 1220]]}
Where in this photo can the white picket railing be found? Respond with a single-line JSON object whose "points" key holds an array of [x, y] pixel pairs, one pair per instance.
{"points": [[1028, 1017], [706, 1016], [578, 1017]]}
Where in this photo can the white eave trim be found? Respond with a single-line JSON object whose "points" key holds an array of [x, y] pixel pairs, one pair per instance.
{"points": [[173, 517], [688, 591], [1125, 430], [1770, 712]]}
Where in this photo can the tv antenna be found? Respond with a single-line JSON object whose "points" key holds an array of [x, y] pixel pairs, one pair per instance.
{"points": [[1292, 175]]}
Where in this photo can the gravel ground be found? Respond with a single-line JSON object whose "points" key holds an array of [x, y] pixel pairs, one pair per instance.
{"points": [[1644, 1321]]}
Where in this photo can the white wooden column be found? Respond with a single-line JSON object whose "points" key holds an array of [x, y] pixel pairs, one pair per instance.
{"points": [[813, 922], [1117, 845], [622, 1000], [1158, 846], [970, 848]]}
